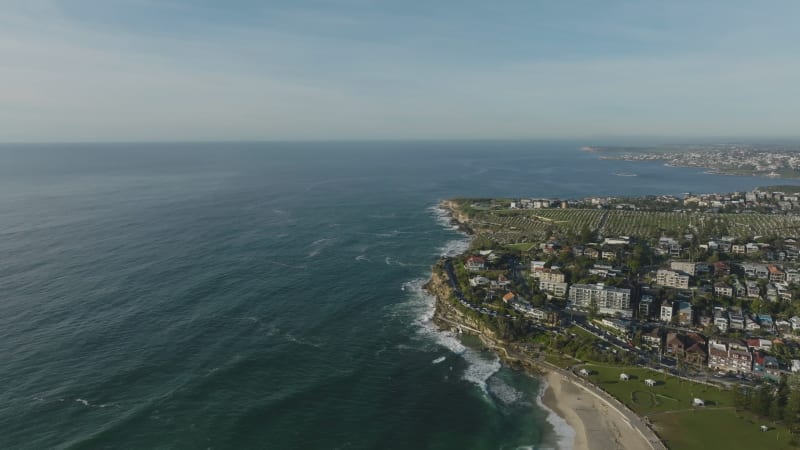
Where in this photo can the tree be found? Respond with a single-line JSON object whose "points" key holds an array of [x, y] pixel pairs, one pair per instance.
{"points": [[791, 413], [762, 401]]}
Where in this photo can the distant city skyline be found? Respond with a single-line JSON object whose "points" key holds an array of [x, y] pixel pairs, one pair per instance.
{"points": [[177, 70]]}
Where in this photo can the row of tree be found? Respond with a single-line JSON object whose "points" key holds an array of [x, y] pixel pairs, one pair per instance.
{"points": [[768, 401]]}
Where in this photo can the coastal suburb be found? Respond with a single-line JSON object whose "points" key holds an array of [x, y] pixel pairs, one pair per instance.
{"points": [[652, 319]]}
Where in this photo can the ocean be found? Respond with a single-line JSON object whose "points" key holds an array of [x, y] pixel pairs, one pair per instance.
{"points": [[264, 295]]}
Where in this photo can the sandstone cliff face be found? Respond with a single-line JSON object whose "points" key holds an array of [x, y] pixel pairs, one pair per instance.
{"points": [[447, 315], [455, 212]]}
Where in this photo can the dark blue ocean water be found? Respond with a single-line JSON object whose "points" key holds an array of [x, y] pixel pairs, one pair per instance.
{"points": [[233, 296]]}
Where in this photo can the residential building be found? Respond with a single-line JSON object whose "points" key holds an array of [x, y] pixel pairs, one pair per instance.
{"points": [[670, 278], [653, 338], [555, 288], [475, 264], [722, 269], [685, 315], [723, 290], [736, 320], [667, 312], [550, 275], [752, 289], [755, 270], [729, 356], [687, 267], [792, 276], [690, 347], [646, 306], [608, 300], [739, 289], [776, 275], [721, 320]]}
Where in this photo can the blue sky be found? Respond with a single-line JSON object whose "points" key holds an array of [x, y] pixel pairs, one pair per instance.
{"points": [[144, 70]]}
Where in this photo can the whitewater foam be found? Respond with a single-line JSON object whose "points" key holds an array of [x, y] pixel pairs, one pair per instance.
{"points": [[439, 359], [565, 434], [504, 392], [480, 367]]}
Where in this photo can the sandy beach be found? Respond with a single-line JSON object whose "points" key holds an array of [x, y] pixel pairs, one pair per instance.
{"points": [[597, 425]]}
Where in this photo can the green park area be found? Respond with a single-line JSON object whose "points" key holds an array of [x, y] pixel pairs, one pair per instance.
{"points": [[668, 405]]}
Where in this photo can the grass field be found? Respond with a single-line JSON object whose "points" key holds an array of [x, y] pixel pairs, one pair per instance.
{"points": [[668, 405]]}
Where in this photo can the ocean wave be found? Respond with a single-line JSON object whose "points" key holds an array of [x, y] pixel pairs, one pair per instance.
{"points": [[504, 392], [317, 246], [454, 247], [362, 258], [439, 359], [565, 434], [480, 367], [442, 217]]}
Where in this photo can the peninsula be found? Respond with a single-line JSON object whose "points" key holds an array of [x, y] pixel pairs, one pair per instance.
{"points": [[657, 322], [773, 161]]}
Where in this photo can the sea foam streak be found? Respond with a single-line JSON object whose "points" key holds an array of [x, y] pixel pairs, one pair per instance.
{"points": [[565, 434], [480, 368]]}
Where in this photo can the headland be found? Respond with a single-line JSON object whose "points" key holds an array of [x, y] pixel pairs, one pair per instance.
{"points": [[556, 289]]}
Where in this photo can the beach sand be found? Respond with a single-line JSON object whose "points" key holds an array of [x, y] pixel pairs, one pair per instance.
{"points": [[597, 425]]}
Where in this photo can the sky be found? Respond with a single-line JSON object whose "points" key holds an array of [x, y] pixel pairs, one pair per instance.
{"points": [[172, 70]]}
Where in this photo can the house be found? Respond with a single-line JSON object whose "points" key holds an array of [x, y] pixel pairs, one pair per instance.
{"points": [[776, 275], [723, 290], [766, 366], [722, 269], [591, 252], [624, 377], [736, 320], [792, 275], [772, 292], [584, 372], [479, 281], [685, 316], [739, 290], [650, 382], [475, 264], [751, 324], [759, 344], [784, 292], [765, 320], [653, 338], [698, 402], [752, 289], [721, 320], [667, 311], [795, 321], [690, 347], [509, 297], [754, 270]]}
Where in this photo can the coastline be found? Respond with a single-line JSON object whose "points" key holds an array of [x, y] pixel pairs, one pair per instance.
{"points": [[580, 417]]}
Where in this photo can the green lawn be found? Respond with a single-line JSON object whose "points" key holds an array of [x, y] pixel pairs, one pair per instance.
{"points": [[718, 429], [559, 360], [522, 247], [668, 405], [669, 394]]}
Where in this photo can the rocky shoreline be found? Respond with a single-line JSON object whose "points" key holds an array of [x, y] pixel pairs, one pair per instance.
{"points": [[597, 423]]}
